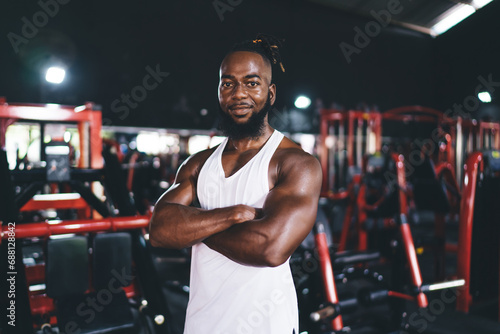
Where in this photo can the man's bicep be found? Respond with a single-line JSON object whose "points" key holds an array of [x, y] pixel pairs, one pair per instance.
{"points": [[292, 214], [183, 190], [298, 189], [292, 204]]}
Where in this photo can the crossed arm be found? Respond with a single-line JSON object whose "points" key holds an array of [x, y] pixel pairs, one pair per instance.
{"points": [[258, 237]]}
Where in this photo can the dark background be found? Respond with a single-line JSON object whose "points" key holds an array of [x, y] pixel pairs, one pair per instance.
{"points": [[107, 45]]}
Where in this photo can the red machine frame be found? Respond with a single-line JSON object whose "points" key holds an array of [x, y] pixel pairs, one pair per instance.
{"points": [[84, 116], [472, 135], [40, 303], [331, 119], [446, 157], [474, 166], [88, 121]]}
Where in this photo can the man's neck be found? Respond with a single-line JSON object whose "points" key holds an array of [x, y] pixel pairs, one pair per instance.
{"points": [[245, 144]]}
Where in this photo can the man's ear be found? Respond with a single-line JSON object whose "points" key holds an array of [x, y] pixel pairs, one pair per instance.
{"points": [[272, 93]]}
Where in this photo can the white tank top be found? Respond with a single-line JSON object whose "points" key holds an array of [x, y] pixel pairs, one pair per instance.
{"points": [[227, 297]]}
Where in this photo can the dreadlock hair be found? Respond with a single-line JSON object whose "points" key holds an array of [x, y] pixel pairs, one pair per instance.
{"points": [[265, 45]]}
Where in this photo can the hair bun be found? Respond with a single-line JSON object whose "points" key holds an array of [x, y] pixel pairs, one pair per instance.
{"points": [[266, 45], [271, 45]]}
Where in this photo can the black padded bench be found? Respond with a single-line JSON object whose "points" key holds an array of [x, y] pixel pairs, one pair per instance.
{"points": [[106, 309]]}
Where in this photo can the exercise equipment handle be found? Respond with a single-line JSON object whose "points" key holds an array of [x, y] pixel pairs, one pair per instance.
{"points": [[443, 285], [329, 311]]}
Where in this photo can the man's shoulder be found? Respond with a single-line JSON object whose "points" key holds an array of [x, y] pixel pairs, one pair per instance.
{"points": [[288, 149], [291, 154], [195, 161]]}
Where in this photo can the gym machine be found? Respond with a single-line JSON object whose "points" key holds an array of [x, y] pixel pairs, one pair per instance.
{"points": [[52, 262], [479, 238], [442, 176]]}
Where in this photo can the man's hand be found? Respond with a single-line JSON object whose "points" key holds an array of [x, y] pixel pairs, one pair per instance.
{"points": [[244, 213]]}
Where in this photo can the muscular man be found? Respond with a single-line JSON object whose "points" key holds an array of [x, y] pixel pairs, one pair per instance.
{"points": [[258, 193]]}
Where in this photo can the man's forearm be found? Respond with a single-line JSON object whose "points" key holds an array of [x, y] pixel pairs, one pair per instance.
{"points": [[270, 240], [179, 226], [246, 244]]}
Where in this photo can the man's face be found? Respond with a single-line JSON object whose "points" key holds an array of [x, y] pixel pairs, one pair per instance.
{"points": [[245, 90]]}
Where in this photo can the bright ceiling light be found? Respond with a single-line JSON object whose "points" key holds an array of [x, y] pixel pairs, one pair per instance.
{"points": [[80, 108], [480, 3], [55, 75], [452, 17], [67, 136], [302, 102], [485, 97]]}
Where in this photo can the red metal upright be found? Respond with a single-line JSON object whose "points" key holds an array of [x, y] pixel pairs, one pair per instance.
{"points": [[409, 245], [325, 263], [472, 168], [333, 137]]}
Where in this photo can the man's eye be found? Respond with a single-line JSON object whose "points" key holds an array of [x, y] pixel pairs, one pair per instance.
{"points": [[226, 84], [253, 83]]}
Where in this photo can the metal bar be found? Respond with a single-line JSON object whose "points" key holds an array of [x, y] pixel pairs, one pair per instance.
{"points": [[459, 151], [4, 124], [46, 229], [335, 195], [325, 312], [346, 225], [400, 295], [361, 218], [83, 159], [43, 112], [378, 132], [90, 198], [408, 243], [27, 193], [341, 142], [420, 109], [96, 160], [324, 150], [350, 139], [327, 272], [40, 174], [359, 142], [481, 136], [444, 285], [471, 171], [331, 159], [409, 118], [63, 204]]}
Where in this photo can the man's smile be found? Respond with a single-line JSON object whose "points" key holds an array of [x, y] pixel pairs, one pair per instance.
{"points": [[240, 109]]}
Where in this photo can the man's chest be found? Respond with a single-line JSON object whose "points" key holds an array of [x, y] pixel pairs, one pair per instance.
{"points": [[232, 162]]}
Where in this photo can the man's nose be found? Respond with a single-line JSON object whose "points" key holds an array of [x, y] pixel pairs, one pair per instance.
{"points": [[239, 92]]}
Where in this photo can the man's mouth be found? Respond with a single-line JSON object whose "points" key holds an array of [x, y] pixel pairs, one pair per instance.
{"points": [[240, 109]]}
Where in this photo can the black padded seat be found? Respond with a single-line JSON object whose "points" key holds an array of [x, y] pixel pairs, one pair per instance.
{"points": [[380, 168], [112, 256], [106, 309], [429, 192], [67, 268]]}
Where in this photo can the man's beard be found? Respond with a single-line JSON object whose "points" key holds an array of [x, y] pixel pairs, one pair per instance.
{"points": [[252, 128]]}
